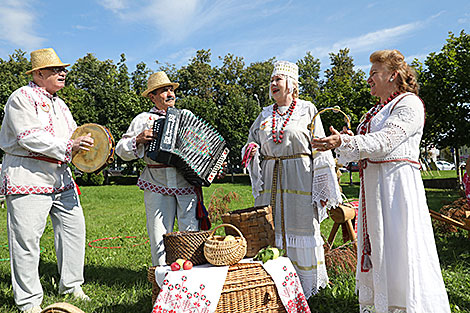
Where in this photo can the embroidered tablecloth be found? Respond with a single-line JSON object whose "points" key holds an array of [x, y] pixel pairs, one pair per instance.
{"points": [[199, 289]]}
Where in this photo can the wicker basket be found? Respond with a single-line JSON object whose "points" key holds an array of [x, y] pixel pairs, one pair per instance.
{"points": [[188, 245], [248, 288], [256, 224], [220, 252]]}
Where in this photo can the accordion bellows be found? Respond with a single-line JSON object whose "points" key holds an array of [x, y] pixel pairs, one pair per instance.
{"points": [[190, 144]]}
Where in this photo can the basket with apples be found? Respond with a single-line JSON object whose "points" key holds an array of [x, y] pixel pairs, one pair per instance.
{"points": [[225, 250]]}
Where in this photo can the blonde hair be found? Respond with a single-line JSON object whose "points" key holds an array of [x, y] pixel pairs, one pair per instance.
{"points": [[395, 62]]}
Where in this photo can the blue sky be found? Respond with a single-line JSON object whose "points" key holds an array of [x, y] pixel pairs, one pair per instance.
{"points": [[173, 30]]}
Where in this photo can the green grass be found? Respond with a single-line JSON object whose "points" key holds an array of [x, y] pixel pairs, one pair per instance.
{"points": [[116, 279]]}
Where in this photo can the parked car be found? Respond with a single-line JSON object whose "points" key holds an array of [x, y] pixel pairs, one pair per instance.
{"points": [[353, 167], [445, 166]]}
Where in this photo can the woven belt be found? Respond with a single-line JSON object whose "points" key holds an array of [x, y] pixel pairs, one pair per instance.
{"points": [[158, 166], [44, 158], [277, 175]]}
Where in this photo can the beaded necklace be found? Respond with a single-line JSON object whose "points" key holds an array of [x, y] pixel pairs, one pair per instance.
{"points": [[364, 125], [289, 111]]}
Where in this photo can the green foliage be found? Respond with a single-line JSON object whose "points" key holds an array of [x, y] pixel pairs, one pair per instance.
{"points": [[91, 179], [12, 76], [344, 87], [231, 95], [445, 89]]}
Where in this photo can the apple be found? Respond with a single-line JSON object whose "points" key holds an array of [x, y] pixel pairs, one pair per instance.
{"points": [[175, 266], [187, 265], [229, 237], [180, 262]]}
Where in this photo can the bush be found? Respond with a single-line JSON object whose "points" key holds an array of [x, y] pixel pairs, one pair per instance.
{"points": [[91, 179]]}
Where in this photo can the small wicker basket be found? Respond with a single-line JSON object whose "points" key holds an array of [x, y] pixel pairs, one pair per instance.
{"points": [[220, 252], [187, 245], [256, 224]]}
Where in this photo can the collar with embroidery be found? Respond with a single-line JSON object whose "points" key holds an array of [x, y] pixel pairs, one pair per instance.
{"points": [[41, 90], [157, 111]]}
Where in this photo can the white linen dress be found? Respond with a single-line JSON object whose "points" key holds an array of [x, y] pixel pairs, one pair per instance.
{"points": [[303, 182], [405, 274]]}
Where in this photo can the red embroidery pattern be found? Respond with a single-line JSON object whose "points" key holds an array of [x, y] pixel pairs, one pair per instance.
{"points": [[27, 132], [68, 151], [27, 95], [293, 289], [8, 189], [466, 184], [144, 185], [134, 147], [178, 298]]}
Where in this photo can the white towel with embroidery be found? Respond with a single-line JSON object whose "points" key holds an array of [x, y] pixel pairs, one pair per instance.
{"points": [[196, 290]]}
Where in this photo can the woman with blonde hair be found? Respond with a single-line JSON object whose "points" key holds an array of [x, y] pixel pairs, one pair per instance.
{"points": [[398, 266]]}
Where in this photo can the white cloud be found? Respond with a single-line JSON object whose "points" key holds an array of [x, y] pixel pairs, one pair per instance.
{"points": [[113, 5], [17, 25], [177, 20], [363, 43], [83, 27]]}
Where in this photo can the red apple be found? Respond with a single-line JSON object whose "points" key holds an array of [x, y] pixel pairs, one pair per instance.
{"points": [[175, 266], [187, 265]]}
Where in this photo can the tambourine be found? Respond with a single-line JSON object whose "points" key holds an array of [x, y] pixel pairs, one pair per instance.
{"points": [[100, 155], [335, 109], [62, 307]]}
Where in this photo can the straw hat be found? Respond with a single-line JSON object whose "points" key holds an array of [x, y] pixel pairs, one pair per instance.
{"points": [[286, 68], [43, 58], [158, 80]]}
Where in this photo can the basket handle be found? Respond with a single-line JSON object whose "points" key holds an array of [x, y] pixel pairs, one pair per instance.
{"points": [[224, 225]]}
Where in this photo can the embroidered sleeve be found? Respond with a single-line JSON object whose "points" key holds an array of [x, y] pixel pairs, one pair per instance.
{"points": [[127, 147], [254, 167], [406, 118], [325, 185], [31, 134]]}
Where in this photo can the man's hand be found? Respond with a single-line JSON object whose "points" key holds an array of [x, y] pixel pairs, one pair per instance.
{"points": [[223, 171], [144, 137], [83, 143]]}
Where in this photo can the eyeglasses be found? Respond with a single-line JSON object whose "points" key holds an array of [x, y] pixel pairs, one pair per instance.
{"points": [[58, 70]]}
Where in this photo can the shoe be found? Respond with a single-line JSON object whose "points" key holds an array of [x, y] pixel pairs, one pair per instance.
{"points": [[34, 309], [80, 295]]}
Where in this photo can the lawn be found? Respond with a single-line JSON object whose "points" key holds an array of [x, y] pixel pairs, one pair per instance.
{"points": [[116, 279]]}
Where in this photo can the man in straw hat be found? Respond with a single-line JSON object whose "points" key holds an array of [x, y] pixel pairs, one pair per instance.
{"points": [[167, 194], [37, 182]]}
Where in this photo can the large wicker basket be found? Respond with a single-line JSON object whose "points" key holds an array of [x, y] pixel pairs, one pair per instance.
{"points": [[248, 288], [188, 245], [220, 252], [256, 224]]}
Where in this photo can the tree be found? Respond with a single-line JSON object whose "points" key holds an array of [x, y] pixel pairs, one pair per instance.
{"points": [[309, 77], [344, 87], [445, 89], [255, 81], [12, 76]]}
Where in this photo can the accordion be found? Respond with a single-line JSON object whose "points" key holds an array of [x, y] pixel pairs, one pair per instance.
{"points": [[190, 144]]}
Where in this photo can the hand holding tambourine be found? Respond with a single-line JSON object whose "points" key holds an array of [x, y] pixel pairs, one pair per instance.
{"points": [[93, 147]]}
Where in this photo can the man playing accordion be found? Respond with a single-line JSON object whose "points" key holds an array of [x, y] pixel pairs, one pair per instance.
{"points": [[167, 194]]}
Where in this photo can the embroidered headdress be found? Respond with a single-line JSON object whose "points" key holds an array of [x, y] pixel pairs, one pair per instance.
{"points": [[288, 69]]}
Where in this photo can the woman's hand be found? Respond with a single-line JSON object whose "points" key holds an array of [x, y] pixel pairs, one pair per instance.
{"points": [[82, 143], [327, 143]]}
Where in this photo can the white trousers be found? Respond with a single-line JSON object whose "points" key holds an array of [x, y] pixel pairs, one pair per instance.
{"points": [[26, 221], [161, 212]]}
